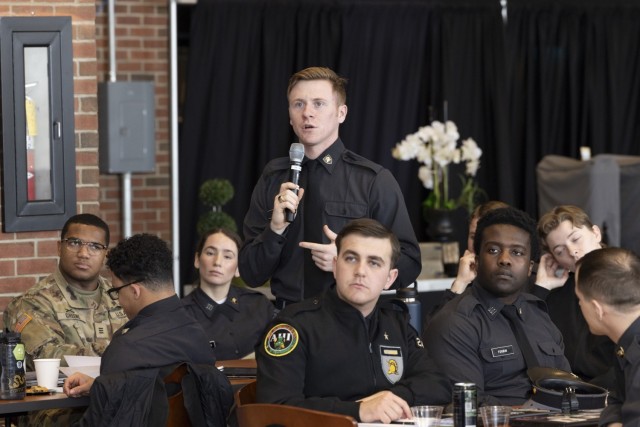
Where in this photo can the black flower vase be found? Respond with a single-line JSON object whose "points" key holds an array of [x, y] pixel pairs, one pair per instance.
{"points": [[449, 227], [440, 224]]}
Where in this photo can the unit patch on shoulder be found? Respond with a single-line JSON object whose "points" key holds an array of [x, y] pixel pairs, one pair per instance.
{"points": [[281, 340], [22, 321], [392, 363]]}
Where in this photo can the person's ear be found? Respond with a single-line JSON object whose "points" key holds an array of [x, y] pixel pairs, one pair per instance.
{"points": [[531, 264], [597, 232], [598, 309], [196, 262], [137, 290], [342, 113], [393, 274]]}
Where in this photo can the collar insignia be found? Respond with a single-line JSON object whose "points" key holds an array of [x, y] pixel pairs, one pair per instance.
{"points": [[620, 352], [386, 336], [234, 300], [328, 159]]}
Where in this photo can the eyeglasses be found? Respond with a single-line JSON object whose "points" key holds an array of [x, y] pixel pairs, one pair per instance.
{"points": [[114, 293], [73, 244]]}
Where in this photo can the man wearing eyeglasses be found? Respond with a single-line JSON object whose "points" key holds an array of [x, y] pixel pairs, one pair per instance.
{"points": [[70, 312], [161, 332]]}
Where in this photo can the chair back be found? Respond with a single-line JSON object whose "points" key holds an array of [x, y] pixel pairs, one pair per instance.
{"points": [[246, 394], [267, 414], [178, 415]]}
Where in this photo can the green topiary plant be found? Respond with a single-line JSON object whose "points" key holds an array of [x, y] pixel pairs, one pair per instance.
{"points": [[215, 193]]}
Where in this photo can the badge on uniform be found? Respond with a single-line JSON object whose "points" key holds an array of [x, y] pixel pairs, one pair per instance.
{"points": [[23, 320], [392, 363], [281, 340], [506, 350]]}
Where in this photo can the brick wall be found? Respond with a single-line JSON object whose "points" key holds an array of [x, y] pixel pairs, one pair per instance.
{"points": [[142, 54]]}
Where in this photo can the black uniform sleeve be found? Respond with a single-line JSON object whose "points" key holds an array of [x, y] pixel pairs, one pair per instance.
{"points": [[281, 378], [388, 207], [539, 292], [424, 383], [262, 248]]}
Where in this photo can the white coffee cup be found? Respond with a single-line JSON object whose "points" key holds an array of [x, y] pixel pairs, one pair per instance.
{"points": [[47, 372]]}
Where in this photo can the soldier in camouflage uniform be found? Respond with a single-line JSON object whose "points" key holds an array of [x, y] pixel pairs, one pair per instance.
{"points": [[69, 312]]}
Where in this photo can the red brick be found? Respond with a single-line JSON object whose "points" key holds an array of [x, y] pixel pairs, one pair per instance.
{"points": [[88, 193], [17, 284], [47, 248], [17, 250], [7, 268], [32, 10]]}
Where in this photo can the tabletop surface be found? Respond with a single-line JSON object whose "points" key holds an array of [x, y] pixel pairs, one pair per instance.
{"points": [[41, 402]]}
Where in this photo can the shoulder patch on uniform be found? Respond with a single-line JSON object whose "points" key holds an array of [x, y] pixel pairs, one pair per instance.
{"points": [[281, 340], [22, 321]]}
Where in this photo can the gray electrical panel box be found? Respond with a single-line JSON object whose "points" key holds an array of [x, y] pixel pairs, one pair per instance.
{"points": [[126, 122]]}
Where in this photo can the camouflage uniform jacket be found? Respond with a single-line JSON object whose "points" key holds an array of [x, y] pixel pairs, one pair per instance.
{"points": [[55, 320]]}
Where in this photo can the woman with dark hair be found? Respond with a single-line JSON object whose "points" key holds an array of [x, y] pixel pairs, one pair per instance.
{"points": [[232, 317]]}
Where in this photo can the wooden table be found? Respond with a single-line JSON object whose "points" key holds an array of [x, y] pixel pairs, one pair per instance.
{"points": [[10, 408]]}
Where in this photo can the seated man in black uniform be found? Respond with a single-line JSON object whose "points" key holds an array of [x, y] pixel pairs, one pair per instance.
{"points": [[343, 352], [160, 332], [567, 234], [472, 339], [608, 287]]}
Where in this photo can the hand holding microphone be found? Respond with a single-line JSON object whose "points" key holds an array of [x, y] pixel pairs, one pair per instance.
{"points": [[296, 154], [285, 203]]}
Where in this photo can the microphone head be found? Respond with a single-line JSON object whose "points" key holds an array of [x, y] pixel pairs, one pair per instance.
{"points": [[296, 152]]}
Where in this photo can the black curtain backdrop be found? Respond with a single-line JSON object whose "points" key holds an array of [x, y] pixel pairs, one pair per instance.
{"points": [[574, 68], [561, 74]]}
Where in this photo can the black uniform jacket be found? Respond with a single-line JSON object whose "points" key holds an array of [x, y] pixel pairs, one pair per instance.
{"points": [[162, 334], [624, 406], [323, 354], [235, 326], [591, 357], [351, 187], [471, 341]]}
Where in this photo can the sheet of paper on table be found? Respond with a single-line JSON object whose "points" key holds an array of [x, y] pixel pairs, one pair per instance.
{"points": [[88, 365]]}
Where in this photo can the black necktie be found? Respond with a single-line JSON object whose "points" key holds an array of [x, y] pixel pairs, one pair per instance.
{"points": [[511, 313], [314, 278]]}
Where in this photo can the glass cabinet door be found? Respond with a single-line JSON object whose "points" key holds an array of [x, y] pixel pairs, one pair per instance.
{"points": [[37, 122]]}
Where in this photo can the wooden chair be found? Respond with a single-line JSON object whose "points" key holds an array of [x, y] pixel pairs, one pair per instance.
{"points": [[178, 416], [247, 394], [266, 414]]}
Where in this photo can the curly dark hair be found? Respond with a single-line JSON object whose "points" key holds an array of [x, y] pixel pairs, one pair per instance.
{"points": [[142, 257], [509, 216]]}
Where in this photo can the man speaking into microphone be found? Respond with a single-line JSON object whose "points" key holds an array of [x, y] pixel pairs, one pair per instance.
{"points": [[290, 227]]}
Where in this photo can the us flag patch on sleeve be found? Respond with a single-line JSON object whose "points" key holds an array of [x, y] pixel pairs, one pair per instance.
{"points": [[23, 320]]}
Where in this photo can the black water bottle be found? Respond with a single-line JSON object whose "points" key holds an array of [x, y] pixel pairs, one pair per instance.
{"points": [[12, 355], [410, 297]]}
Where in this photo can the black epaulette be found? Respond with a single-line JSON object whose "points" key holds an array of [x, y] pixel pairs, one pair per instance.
{"points": [[276, 165], [310, 304], [356, 159], [394, 304]]}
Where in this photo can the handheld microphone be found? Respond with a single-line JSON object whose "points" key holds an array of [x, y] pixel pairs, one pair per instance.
{"points": [[296, 154]]}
